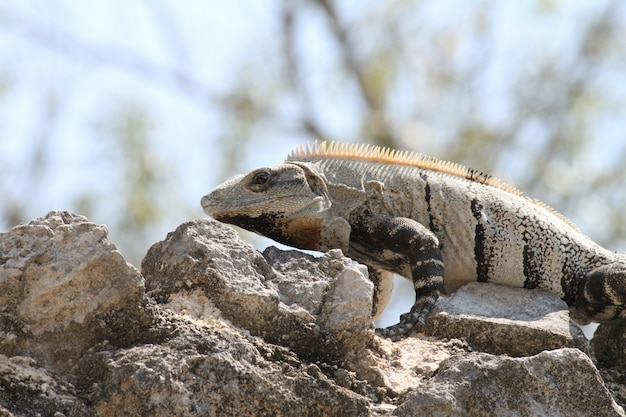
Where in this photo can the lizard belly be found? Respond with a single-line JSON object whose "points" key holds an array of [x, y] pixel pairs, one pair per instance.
{"points": [[459, 262]]}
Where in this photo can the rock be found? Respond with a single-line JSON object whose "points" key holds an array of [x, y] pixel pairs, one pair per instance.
{"points": [[332, 288], [226, 331], [401, 366], [609, 346], [325, 303], [505, 320], [558, 382], [24, 385], [63, 288], [214, 370]]}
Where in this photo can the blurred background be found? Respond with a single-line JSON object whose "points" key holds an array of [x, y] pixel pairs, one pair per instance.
{"points": [[128, 112]]}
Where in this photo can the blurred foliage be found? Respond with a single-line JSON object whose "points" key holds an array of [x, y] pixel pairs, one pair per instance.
{"points": [[381, 74], [141, 179]]}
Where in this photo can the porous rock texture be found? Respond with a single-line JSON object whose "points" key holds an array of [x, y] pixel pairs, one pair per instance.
{"points": [[211, 327], [513, 321]]}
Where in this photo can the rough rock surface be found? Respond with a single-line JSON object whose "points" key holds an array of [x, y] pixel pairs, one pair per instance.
{"points": [[64, 287], [500, 319], [609, 345], [219, 329], [329, 306], [540, 385]]}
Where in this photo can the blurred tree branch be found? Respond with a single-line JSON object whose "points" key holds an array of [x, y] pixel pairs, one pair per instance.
{"points": [[376, 125], [72, 46]]}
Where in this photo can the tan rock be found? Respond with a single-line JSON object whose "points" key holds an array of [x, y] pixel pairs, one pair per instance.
{"points": [[562, 382], [326, 302], [227, 331], [63, 283], [505, 320]]}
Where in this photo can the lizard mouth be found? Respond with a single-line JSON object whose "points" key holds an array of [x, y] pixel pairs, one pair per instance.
{"points": [[206, 204], [210, 206]]}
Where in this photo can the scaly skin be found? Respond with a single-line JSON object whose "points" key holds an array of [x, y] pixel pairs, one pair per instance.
{"points": [[436, 223]]}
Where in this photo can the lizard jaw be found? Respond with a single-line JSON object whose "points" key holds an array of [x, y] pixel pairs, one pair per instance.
{"points": [[299, 232]]}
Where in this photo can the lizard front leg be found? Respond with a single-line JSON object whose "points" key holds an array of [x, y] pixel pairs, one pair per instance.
{"points": [[401, 245]]}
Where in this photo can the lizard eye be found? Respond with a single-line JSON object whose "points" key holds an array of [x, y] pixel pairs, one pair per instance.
{"points": [[260, 178], [259, 181]]}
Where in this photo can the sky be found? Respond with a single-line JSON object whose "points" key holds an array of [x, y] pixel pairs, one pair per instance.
{"points": [[80, 56], [67, 67]]}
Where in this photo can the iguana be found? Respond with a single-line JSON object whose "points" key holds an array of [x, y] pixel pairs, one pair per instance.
{"points": [[436, 223]]}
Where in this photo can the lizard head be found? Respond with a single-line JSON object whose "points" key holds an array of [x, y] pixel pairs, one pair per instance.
{"points": [[287, 203]]}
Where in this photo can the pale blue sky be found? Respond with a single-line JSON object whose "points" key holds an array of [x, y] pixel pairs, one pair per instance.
{"points": [[82, 56]]}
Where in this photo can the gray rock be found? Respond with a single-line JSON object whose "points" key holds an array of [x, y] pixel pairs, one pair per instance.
{"points": [[227, 331], [335, 290], [30, 390], [63, 288], [213, 370], [609, 346], [562, 382], [324, 303], [500, 319]]}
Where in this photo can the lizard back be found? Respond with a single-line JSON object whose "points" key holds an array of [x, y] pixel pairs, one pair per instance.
{"points": [[488, 231]]}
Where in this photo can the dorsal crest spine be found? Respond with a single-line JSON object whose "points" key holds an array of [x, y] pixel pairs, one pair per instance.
{"points": [[373, 153]]}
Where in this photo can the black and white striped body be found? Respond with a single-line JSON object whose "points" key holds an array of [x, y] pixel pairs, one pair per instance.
{"points": [[436, 223], [484, 233]]}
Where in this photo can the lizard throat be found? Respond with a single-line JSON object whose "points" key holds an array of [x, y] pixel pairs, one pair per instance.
{"points": [[299, 233]]}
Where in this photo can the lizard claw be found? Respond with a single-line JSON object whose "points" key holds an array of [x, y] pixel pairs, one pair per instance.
{"points": [[408, 321]]}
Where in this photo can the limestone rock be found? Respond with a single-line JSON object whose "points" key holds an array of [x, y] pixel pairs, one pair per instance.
{"points": [[505, 320], [332, 288], [63, 288], [402, 366], [26, 385], [316, 305], [562, 382], [214, 370], [609, 345], [226, 331]]}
